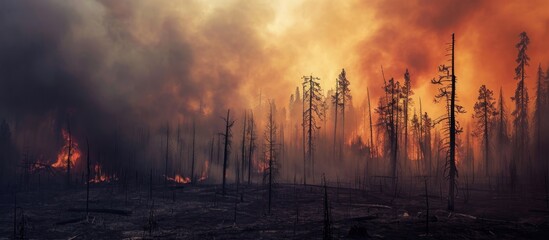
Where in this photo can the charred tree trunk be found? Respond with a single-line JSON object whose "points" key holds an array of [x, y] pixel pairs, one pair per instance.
{"points": [[87, 178], [251, 148], [452, 160], [335, 119], [193, 179], [227, 135], [167, 152], [371, 128], [69, 154], [243, 150], [486, 138]]}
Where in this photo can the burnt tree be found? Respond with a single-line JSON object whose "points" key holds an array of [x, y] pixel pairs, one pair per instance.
{"points": [[520, 114], [484, 112], [447, 92], [227, 136], [311, 115]]}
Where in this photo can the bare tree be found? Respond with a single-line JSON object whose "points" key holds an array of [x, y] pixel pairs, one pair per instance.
{"points": [[193, 178], [372, 148], [227, 136], [447, 93], [243, 147], [167, 156], [251, 146], [271, 149], [87, 179], [69, 155], [336, 99]]}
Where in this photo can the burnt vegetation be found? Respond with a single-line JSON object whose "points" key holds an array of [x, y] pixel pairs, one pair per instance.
{"points": [[318, 166]]}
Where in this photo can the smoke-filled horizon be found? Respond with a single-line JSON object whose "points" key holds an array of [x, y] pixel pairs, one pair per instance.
{"points": [[122, 72]]}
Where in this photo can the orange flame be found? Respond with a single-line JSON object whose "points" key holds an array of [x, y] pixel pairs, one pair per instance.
{"points": [[179, 179], [204, 174], [261, 166], [63, 154], [100, 176]]}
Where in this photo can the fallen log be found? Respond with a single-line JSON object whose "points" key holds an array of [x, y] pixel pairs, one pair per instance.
{"points": [[102, 210]]}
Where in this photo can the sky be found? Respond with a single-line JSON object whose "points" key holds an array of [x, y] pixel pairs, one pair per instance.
{"points": [[121, 63]]}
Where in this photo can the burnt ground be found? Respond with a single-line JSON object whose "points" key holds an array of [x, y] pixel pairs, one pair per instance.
{"points": [[202, 212]]}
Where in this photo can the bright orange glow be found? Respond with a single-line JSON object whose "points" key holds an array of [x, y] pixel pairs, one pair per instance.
{"points": [[204, 174], [63, 155], [100, 175], [261, 166], [179, 179]]}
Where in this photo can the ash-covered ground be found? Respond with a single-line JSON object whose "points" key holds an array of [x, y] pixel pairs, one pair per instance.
{"points": [[202, 212]]}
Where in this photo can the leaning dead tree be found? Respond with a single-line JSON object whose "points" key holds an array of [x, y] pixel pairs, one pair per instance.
{"points": [[447, 92], [312, 113], [227, 136]]}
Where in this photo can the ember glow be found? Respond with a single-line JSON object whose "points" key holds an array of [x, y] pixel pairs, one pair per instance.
{"points": [[100, 176], [71, 145], [205, 171], [179, 179]]}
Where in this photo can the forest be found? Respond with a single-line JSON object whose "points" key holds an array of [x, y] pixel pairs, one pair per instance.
{"points": [[209, 121]]}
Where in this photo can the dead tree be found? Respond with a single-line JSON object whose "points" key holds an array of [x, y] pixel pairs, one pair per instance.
{"points": [[87, 178], [371, 127], [336, 100], [69, 155], [193, 178], [251, 146], [345, 97], [327, 231], [167, 152], [271, 148], [243, 149], [227, 135], [447, 93], [312, 114]]}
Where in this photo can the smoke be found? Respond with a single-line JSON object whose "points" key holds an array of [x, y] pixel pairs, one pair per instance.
{"points": [[109, 65]]}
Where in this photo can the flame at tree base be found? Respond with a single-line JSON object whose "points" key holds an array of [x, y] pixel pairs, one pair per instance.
{"points": [[63, 155]]}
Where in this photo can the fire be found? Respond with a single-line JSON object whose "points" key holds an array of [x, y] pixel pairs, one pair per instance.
{"points": [[179, 179], [100, 176], [63, 155], [261, 166], [204, 174]]}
